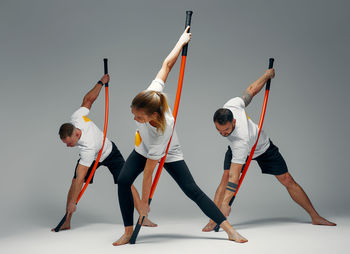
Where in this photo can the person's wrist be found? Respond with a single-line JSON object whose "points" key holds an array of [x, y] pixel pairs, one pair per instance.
{"points": [[100, 82], [181, 42]]}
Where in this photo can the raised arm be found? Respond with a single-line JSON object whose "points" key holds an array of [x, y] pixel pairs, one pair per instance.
{"points": [[256, 86], [170, 60], [92, 95]]}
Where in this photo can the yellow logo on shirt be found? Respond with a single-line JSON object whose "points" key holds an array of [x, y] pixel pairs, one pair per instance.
{"points": [[86, 119], [138, 139], [247, 115]]}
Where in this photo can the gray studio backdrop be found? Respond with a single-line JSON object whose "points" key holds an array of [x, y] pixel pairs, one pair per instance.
{"points": [[51, 54]]}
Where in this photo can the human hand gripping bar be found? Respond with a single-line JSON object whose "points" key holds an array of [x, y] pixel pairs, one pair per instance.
{"points": [[175, 110], [188, 23], [105, 62], [261, 121], [268, 83]]}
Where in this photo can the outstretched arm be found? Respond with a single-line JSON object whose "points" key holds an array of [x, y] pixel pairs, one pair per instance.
{"points": [[257, 85], [235, 171], [218, 199], [170, 60], [75, 188], [220, 191], [92, 95], [146, 186]]}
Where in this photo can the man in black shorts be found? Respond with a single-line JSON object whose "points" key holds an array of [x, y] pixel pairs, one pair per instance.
{"points": [[232, 122], [84, 134]]}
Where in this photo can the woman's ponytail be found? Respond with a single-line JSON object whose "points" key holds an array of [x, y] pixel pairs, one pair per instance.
{"points": [[163, 108], [153, 102]]}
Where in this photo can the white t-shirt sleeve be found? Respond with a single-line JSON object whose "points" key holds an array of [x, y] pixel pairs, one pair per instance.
{"points": [[87, 156], [79, 114], [240, 150], [240, 144], [236, 102], [156, 85]]}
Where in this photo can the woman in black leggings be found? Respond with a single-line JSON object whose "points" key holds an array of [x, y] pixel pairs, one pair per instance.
{"points": [[154, 128]]}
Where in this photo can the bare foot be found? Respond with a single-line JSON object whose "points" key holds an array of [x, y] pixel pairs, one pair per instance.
{"points": [[322, 221], [235, 236], [124, 239], [65, 226], [209, 227], [148, 223]]}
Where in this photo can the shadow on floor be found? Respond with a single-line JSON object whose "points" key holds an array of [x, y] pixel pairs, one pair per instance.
{"points": [[156, 238], [268, 221]]}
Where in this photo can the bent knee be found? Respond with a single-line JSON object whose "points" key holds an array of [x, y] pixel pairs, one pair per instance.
{"points": [[286, 179], [123, 180]]}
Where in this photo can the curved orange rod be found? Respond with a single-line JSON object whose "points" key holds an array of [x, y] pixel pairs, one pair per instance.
{"points": [[100, 152], [58, 227], [261, 122], [175, 110]]}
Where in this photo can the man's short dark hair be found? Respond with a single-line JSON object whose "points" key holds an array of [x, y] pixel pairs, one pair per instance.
{"points": [[222, 116], [66, 130]]}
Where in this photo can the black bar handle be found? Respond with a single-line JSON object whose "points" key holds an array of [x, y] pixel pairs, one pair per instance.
{"points": [[58, 227], [188, 18], [188, 23], [268, 83], [138, 227], [271, 60], [136, 231], [105, 65], [231, 201]]}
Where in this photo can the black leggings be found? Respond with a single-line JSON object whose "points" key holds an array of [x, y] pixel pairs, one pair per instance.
{"points": [[179, 171]]}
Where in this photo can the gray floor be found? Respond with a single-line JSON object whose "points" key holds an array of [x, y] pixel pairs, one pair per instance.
{"points": [[265, 235]]}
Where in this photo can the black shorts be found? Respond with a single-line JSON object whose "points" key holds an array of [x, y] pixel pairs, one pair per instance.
{"points": [[270, 162], [114, 162]]}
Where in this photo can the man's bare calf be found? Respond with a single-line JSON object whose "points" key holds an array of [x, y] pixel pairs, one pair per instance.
{"points": [[300, 197]]}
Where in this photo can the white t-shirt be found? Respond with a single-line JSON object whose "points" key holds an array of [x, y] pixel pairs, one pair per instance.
{"points": [[153, 143], [91, 138], [244, 136]]}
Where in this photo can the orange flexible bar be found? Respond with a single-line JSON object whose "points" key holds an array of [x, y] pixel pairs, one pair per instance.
{"points": [[175, 110], [162, 161], [256, 143], [58, 227], [261, 122], [100, 152]]}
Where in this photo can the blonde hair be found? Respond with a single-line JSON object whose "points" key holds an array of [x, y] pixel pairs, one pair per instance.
{"points": [[153, 102]]}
